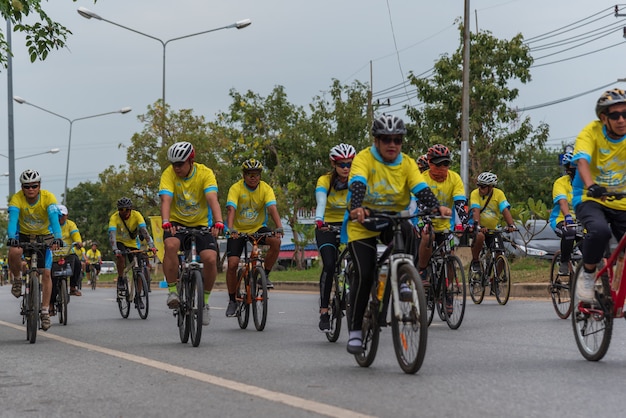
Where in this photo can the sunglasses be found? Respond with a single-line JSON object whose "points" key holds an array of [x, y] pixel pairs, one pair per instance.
{"points": [[30, 186], [178, 164], [252, 174], [444, 163], [123, 210], [344, 165], [397, 140], [482, 186], [616, 115]]}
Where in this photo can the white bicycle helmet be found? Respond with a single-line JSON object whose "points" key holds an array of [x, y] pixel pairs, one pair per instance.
{"points": [[388, 125], [487, 179], [30, 176], [567, 158], [62, 209], [180, 152], [342, 152]]}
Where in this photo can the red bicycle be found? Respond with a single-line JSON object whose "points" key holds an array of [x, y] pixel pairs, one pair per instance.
{"points": [[593, 323]]}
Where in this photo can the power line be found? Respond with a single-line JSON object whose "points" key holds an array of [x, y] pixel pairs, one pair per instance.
{"points": [[565, 99]]}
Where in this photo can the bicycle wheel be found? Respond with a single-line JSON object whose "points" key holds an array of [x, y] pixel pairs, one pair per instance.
{"points": [[559, 288], [454, 293], [593, 325], [183, 318], [196, 300], [501, 282], [142, 302], [335, 311], [476, 288], [33, 303], [123, 302], [409, 327], [243, 308], [94, 278], [431, 303], [259, 300], [371, 335], [62, 298]]}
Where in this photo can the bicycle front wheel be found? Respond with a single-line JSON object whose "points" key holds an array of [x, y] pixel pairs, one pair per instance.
{"points": [[63, 298], [196, 300], [94, 278], [183, 318], [334, 310], [593, 325], [259, 298], [454, 293], [430, 292], [243, 307], [409, 326], [123, 302], [501, 279], [142, 302], [33, 302], [371, 335], [560, 288], [476, 287]]}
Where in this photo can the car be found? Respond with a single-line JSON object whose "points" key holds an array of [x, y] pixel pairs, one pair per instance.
{"points": [[536, 238], [107, 267]]}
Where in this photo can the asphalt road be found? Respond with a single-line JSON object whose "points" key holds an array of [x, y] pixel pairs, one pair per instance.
{"points": [[517, 360]]}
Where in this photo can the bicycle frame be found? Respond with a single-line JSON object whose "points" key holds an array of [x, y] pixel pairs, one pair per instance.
{"points": [[617, 296], [252, 260]]}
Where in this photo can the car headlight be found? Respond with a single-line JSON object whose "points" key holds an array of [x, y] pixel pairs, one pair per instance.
{"points": [[533, 251]]}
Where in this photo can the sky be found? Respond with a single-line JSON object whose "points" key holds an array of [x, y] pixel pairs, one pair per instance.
{"points": [[302, 46]]}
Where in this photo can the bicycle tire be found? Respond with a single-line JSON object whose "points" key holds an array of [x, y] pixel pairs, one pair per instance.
{"points": [[94, 278], [431, 303], [334, 308], [243, 307], [32, 305], [371, 335], [196, 299], [410, 333], [259, 300], [63, 298], [454, 290], [142, 295], [123, 302], [184, 321], [501, 282], [476, 284], [593, 331], [560, 288]]}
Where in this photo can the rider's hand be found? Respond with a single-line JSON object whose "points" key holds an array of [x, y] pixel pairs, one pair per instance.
{"points": [[320, 224], [166, 225], [12, 242], [219, 225], [445, 211], [510, 228], [569, 220], [279, 231], [154, 250], [596, 191]]}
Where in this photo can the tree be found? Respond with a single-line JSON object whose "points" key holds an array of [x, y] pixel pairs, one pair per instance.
{"points": [[42, 36], [502, 140]]}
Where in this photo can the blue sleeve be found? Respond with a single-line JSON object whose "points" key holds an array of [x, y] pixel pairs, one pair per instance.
{"points": [[14, 216], [53, 217], [320, 197]]}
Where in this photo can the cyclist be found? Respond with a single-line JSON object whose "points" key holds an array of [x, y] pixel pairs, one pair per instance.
{"points": [[449, 190], [599, 155], [562, 214], [487, 204], [93, 258], [422, 163], [125, 225], [33, 212], [381, 178], [248, 205], [331, 193], [188, 192], [71, 234]]}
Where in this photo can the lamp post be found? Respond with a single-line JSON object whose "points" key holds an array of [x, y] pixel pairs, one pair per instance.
{"points": [[88, 14], [50, 151], [71, 122]]}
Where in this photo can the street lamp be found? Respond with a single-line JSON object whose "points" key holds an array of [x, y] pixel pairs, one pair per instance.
{"points": [[71, 122], [88, 14], [50, 151]]}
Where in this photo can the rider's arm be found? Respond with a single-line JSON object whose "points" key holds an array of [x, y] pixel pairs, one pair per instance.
{"points": [[53, 218], [582, 166], [320, 198], [230, 217], [143, 231], [273, 211], [459, 205], [166, 203], [14, 217], [214, 204], [113, 238], [426, 198], [508, 218]]}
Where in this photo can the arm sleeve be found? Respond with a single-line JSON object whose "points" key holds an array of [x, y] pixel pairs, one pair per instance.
{"points": [[427, 198], [459, 205], [53, 218], [113, 239], [14, 217], [320, 197], [144, 233], [357, 189]]}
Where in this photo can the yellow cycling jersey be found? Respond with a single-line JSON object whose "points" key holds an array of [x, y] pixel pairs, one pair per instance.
{"points": [[122, 233], [446, 192], [561, 189], [189, 203], [606, 159], [336, 202], [250, 205], [490, 216], [33, 219], [389, 186], [93, 256], [70, 234]]}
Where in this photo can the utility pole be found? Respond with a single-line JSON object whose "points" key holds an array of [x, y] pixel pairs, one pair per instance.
{"points": [[465, 100]]}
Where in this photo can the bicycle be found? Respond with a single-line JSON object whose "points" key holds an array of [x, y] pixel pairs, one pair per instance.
{"points": [[560, 285], [252, 284], [190, 287], [447, 291], [495, 271], [409, 325], [31, 295], [593, 323], [339, 294], [135, 290], [93, 275], [61, 277]]}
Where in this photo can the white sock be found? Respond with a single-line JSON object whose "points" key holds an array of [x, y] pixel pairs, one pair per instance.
{"points": [[353, 335]]}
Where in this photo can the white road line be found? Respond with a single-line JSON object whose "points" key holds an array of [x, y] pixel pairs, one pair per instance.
{"points": [[293, 401]]}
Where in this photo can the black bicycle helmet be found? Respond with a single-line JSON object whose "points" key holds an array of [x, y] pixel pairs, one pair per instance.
{"points": [[124, 202]]}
